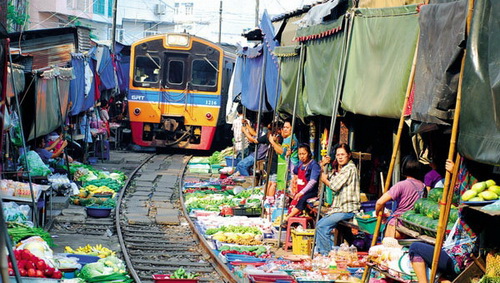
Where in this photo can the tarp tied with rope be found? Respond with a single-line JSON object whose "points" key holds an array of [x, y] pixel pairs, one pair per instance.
{"points": [[251, 74], [82, 88], [271, 75], [442, 36], [379, 61], [52, 94], [479, 136], [322, 67], [289, 64]]}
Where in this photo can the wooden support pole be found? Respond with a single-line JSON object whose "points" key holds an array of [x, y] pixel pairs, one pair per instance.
{"points": [[395, 151], [445, 204]]}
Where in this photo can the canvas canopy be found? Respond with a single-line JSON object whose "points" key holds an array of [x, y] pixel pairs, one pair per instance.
{"points": [[289, 64], [479, 134], [442, 33], [379, 61], [271, 76], [52, 94], [321, 70]]}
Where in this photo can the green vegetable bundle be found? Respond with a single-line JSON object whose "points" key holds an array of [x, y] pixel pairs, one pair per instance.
{"points": [[182, 274], [234, 229], [18, 232]]}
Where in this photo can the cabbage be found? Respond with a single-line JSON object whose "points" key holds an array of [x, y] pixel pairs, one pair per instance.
{"points": [[94, 269]]}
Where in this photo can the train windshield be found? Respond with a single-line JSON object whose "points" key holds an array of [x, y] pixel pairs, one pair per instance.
{"points": [[147, 69], [204, 72]]}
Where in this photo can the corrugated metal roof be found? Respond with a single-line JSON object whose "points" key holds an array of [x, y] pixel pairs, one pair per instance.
{"points": [[50, 47]]}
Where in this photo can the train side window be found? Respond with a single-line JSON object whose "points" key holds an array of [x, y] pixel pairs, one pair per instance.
{"points": [[204, 73], [146, 69], [175, 72]]}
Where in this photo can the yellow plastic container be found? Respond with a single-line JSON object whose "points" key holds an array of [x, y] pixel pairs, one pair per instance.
{"points": [[302, 242]]}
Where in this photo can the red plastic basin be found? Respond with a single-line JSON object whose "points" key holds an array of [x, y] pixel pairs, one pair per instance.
{"points": [[166, 278]]}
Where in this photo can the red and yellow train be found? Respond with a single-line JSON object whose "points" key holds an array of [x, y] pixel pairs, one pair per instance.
{"points": [[178, 91]]}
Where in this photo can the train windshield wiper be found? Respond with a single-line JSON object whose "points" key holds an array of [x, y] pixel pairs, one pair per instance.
{"points": [[153, 60], [215, 68]]}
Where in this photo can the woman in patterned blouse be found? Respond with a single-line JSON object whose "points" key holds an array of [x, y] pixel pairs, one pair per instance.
{"points": [[344, 182]]}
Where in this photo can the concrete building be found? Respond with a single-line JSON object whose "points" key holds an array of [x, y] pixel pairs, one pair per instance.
{"points": [[138, 19]]}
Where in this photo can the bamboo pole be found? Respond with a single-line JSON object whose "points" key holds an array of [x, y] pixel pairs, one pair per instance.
{"points": [[395, 151], [294, 113], [333, 122], [445, 204]]}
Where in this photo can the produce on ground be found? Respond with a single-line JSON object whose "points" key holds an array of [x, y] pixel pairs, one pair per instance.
{"points": [[97, 250], [18, 232], [32, 266], [182, 274]]}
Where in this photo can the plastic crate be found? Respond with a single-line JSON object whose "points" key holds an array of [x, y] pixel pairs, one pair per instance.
{"points": [[302, 242], [369, 206], [368, 224], [247, 211]]}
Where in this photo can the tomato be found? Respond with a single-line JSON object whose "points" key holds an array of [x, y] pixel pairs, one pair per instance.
{"points": [[23, 272], [31, 272], [49, 271], [40, 264], [11, 271], [29, 265], [57, 274], [39, 273]]}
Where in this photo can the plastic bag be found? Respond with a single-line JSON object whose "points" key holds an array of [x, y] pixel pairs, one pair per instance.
{"points": [[492, 207], [15, 213], [36, 165], [15, 131]]}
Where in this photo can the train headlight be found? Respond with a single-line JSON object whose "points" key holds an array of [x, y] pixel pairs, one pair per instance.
{"points": [[137, 111], [177, 40], [209, 116]]}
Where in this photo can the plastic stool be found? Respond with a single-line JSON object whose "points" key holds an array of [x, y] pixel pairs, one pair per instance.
{"points": [[292, 220]]}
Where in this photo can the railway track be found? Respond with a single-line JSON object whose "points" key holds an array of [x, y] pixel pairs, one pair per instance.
{"points": [[155, 234]]}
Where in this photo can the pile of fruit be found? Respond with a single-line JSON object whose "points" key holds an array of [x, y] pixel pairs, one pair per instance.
{"points": [[481, 191], [258, 250], [32, 266], [237, 238], [97, 250], [425, 214]]}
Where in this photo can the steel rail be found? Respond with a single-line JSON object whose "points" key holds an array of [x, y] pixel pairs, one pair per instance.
{"points": [[126, 256], [219, 266]]}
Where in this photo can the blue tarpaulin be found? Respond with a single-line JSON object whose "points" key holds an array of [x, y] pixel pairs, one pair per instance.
{"points": [[271, 76], [251, 76], [81, 89], [105, 68]]}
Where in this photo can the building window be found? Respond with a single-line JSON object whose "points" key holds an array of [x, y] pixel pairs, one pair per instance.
{"points": [[176, 8], [119, 34], [82, 5], [189, 8], [110, 7], [99, 6]]}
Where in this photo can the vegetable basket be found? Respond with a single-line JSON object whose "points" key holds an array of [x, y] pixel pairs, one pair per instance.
{"points": [[166, 278]]}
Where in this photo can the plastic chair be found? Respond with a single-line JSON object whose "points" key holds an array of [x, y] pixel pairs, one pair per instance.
{"points": [[302, 220]]}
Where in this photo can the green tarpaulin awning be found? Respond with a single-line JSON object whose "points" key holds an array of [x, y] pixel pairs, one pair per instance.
{"points": [[479, 127], [289, 64], [379, 61], [321, 70]]}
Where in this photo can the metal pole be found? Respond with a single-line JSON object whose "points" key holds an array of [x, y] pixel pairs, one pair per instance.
{"points": [[113, 26], [261, 98], [275, 120], [256, 13], [340, 76], [220, 21], [294, 113], [18, 109]]}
